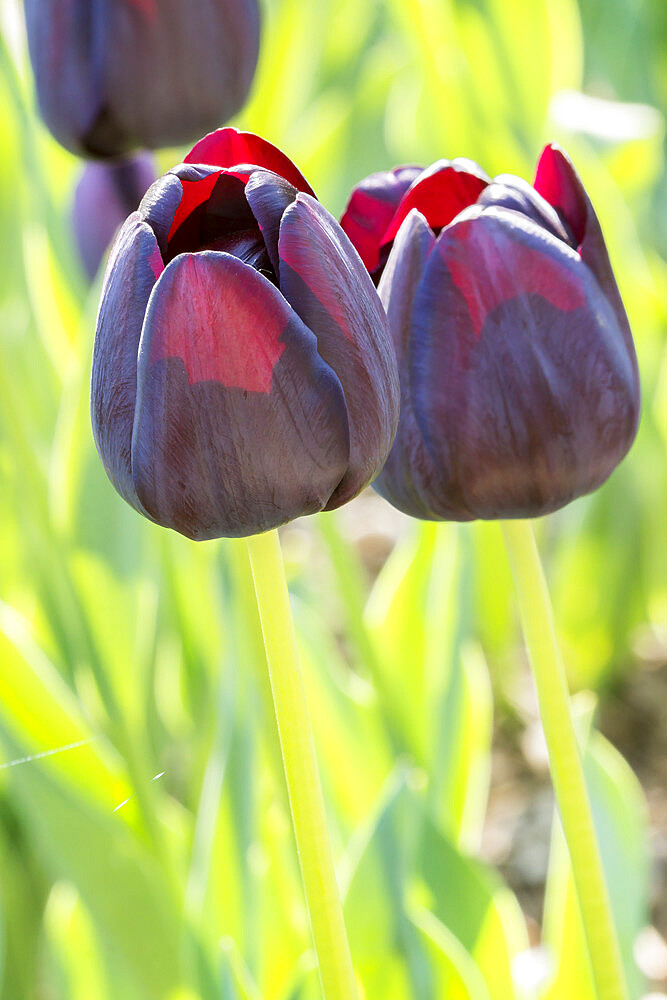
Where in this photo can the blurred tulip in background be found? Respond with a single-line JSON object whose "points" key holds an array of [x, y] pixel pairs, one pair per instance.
{"points": [[116, 76], [105, 194]]}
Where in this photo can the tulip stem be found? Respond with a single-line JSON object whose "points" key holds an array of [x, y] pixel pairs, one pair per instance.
{"points": [[303, 782], [565, 761]]}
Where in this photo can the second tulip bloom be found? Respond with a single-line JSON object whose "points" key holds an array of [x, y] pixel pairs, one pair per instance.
{"points": [[519, 382]]}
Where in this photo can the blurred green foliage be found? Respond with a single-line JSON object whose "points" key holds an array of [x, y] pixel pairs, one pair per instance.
{"points": [[154, 859]]}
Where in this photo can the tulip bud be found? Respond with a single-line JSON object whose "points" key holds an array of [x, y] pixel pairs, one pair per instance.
{"points": [[519, 381], [105, 195], [115, 76], [370, 210], [243, 373]]}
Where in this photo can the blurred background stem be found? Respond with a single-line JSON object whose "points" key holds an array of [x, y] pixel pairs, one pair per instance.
{"points": [[303, 782], [565, 760]]}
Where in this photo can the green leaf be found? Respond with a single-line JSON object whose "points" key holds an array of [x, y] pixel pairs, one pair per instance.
{"points": [[23, 892], [456, 975], [117, 877], [40, 714], [619, 811], [472, 902], [71, 938], [409, 617], [403, 864], [462, 765]]}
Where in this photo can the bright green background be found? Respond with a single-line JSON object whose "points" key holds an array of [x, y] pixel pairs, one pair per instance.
{"points": [[147, 648]]}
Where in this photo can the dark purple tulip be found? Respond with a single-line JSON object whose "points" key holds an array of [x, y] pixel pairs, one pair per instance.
{"points": [[243, 373], [519, 382], [371, 209], [116, 75], [105, 195]]}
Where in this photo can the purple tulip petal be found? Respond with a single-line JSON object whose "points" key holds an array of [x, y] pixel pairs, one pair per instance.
{"points": [[63, 67], [240, 425], [409, 476], [269, 196], [146, 7], [398, 284], [532, 272], [171, 78], [522, 384], [159, 205], [133, 269], [511, 192], [371, 208], [559, 183], [112, 76], [323, 278]]}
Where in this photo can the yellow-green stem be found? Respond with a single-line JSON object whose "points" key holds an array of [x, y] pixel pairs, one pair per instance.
{"points": [[303, 782], [565, 761]]}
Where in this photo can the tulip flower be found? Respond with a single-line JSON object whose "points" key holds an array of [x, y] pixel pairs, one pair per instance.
{"points": [[519, 382], [243, 373], [370, 211], [116, 76], [106, 193]]}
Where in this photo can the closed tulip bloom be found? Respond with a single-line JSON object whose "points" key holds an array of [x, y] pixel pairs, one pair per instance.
{"points": [[116, 75], [105, 194], [519, 382], [370, 212], [243, 373]]}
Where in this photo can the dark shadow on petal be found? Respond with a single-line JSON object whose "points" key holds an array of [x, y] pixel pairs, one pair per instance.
{"points": [[269, 196], [323, 278], [409, 479]]}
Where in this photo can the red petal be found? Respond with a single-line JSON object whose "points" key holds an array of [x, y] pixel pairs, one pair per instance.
{"points": [[557, 182], [197, 188], [146, 7], [239, 424], [510, 267], [227, 147], [203, 289], [440, 193], [371, 208]]}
